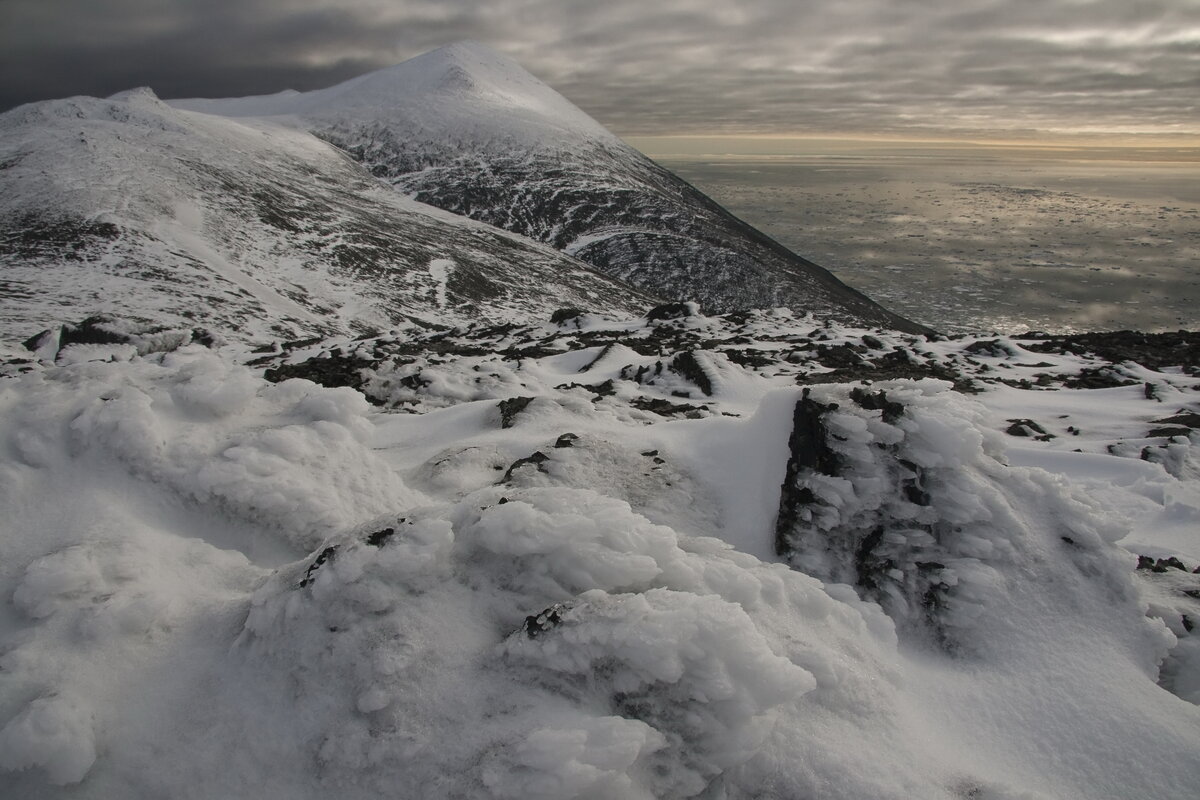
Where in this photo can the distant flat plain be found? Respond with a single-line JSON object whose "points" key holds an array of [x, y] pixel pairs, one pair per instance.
{"points": [[975, 237]]}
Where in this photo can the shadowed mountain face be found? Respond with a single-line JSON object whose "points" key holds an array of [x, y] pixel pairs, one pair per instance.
{"points": [[466, 130], [127, 206]]}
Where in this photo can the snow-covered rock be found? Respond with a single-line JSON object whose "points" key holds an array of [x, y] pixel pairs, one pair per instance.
{"points": [[213, 580]]}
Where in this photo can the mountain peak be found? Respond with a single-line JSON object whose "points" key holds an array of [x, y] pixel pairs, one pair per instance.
{"points": [[141, 94], [467, 53], [453, 87], [462, 68]]}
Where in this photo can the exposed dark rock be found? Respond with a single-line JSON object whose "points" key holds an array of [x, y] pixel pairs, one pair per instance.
{"points": [[1188, 419], [599, 357], [915, 494], [330, 370], [1151, 350], [605, 389], [1161, 565], [866, 565], [510, 408], [205, 337], [536, 459], [414, 382], [327, 554], [296, 344], [686, 365], [1154, 455], [666, 408], [838, 356], [1027, 427], [31, 236], [537, 624], [807, 451], [566, 440], [1169, 432], [878, 401], [37, 341], [872, 342], [531, 351], [749, 357], [891, 366], [105, 329], [97, 329], [670, 311], [644, 374], [563, 315], [989, 347], [378, 538]]}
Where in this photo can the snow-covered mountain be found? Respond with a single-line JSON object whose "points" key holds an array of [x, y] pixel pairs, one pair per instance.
{"points": [[468, 130], [498, 526], [131, 207]]}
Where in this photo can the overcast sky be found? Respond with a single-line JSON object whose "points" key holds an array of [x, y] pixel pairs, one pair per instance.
{"points": [[985, 67]]}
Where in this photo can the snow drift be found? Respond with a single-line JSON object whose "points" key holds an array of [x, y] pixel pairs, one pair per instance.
{"points": [[219, 581]]}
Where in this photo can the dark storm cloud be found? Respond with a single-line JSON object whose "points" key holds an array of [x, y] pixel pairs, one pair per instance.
{"points": [[670, 66]]}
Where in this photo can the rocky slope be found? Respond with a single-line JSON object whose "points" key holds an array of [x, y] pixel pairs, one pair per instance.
{"points": [[469, 131], [129, 206]]}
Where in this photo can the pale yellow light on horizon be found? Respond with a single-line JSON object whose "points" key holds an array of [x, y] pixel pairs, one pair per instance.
{"points": [[1184, 148]]}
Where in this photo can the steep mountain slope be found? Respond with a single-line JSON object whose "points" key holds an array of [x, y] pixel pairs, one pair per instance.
{"points": [[129, 206], [468, 130]]}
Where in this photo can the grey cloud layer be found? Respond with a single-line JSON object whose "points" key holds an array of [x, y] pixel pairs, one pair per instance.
{"points": [[670, 66]]}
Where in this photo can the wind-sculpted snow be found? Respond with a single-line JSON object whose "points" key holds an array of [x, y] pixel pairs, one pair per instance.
{"points": [[657, 675], [905, 494], [127, 206], [467, 130], [213, 432], [538, 561]]}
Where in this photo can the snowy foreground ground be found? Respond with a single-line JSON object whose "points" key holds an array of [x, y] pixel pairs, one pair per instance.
{"points": [[598, 559]]}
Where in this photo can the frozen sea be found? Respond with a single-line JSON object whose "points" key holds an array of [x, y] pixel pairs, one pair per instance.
{"points": [[982, 238]]}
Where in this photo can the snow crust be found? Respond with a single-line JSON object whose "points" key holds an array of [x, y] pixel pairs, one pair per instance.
{"points": [[213, 581]]}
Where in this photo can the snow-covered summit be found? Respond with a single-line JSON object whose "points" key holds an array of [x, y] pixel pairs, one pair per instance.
{"points": [[470, 131], [465, 86]]}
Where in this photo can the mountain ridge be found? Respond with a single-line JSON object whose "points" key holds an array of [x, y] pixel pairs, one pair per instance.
{"points": [[535, 164], [129, 206]]}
